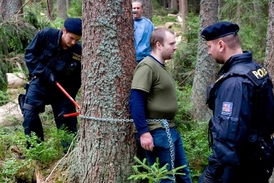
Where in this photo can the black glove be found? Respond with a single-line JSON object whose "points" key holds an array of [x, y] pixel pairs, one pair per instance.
{"points": [[207, 177], [52, 79], [61, 116]]}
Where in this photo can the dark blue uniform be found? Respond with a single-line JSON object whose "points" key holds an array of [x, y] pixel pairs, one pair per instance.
{"points": [[44, 56], [235, 128]]}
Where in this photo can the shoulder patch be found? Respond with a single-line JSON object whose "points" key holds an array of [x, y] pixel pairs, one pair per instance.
{"points": [[227, 108], [76, 57], [258, 76], [260, 73]]}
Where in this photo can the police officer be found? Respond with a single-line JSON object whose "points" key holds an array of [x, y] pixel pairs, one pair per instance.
{"points": [[242, 113], [53, 56]]}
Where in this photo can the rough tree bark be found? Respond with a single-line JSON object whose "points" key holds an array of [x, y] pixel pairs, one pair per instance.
{"points": [[50, 9], [104, 153], [67, 4], [174, 4], [194, 6], [164, 3], [270, 41], [220, 2], [9, 8], [269, 63], [147, 9], [183, 6], [62, 9], [205, 70]]}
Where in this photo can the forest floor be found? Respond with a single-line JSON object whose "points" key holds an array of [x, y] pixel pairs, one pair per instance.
{"points": [[11, 118], [10, 113]]}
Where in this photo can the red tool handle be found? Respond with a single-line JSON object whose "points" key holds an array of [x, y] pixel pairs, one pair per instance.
{"points": [[66, 93], [71, 114]]}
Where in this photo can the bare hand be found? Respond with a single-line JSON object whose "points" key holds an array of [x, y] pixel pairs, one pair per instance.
{"points": [[147, 141]]}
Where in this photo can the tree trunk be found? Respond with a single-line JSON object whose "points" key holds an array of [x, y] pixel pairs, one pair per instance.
{"points": [[270, 41], [147, 9], [195, 6], [9, 8], [220, 2], [107, 144], [220, 5], [184, 12], [174, 4], [62, 9], [205, 70], [166, 3], [50, 9], [270, 51], [239, 11], [67, 4], [257, 10]]}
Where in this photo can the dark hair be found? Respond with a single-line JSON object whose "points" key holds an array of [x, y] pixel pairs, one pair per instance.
{"points": [[158, 35], [232, 41]]}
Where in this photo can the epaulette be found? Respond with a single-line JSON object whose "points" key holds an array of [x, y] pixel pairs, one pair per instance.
{"points": [[256, 75]]}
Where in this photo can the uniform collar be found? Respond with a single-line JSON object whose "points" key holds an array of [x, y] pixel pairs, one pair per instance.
{"points": [[244, 58]]}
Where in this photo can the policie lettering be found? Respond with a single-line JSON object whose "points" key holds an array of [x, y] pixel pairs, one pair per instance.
{"points": [[76, 57], [260, 73]]}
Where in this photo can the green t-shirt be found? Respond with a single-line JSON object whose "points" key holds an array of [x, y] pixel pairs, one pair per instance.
{"points": [[151, 77]]}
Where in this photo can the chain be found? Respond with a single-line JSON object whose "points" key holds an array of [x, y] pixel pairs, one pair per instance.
{"points": [[163, 121], [172, 155], [157, 120], [106, 119]]}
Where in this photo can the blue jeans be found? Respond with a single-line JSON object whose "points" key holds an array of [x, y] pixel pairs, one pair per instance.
{"points": [[162, 151]]}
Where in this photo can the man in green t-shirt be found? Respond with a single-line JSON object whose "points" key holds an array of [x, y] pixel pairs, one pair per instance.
{"points": [[153, 106]]}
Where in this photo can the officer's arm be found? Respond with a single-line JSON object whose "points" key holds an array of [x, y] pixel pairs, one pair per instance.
{"points": [[34, 50], [35, 55], [230, 120]]}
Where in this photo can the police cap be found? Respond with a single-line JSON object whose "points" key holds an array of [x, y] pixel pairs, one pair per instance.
{"points": [[218, 30], [74, 25]]}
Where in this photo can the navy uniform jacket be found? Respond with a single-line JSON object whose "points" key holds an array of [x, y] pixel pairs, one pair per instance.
{"points": [[232, 105], [45, 55]]}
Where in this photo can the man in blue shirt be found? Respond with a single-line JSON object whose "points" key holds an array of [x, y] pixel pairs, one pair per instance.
{"points": [[143, 28]]}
